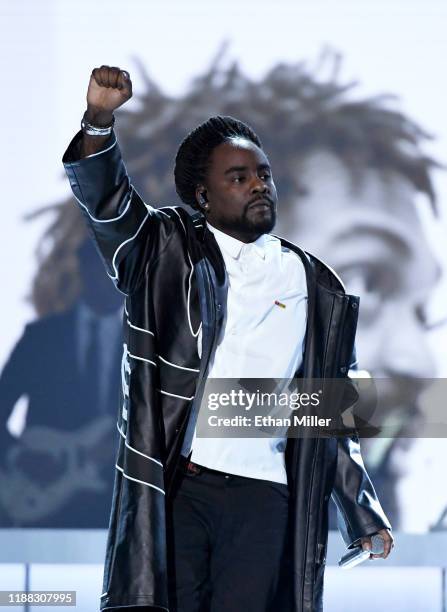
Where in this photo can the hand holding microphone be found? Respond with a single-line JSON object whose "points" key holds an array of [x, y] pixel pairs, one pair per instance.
{"points": [[372, 547], [384, 542]]}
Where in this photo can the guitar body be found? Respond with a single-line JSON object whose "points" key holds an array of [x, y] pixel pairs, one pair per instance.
{"points": [[30, 494]]}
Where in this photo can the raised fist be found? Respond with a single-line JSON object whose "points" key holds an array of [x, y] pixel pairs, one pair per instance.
{"points": [[109, 88]]}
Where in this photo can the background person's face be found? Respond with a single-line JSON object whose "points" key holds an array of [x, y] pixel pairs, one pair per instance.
{"points": [[372, 237]]}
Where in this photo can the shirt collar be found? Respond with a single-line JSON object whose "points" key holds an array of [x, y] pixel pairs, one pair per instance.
{"points": [[233, 247]]}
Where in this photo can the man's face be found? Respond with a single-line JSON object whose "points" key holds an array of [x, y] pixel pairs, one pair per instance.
{"points": [[240, 190], [372, 236]]}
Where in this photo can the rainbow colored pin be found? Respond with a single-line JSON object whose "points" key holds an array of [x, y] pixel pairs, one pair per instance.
{"points": [[280, 304]]}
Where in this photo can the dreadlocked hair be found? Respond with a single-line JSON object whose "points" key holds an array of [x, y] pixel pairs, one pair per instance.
{"points": [[193, 156]]}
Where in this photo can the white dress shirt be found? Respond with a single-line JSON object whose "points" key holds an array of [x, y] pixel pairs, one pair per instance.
{"points": [[259, 339]]}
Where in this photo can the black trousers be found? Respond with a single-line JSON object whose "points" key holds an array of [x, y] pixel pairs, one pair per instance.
{"points": [[227, 538]]}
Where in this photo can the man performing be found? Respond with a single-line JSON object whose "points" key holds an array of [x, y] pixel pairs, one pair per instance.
{"points": [[215, 524]]}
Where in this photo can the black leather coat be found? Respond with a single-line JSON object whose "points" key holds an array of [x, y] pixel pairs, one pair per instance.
{"points": [[171, 270]]}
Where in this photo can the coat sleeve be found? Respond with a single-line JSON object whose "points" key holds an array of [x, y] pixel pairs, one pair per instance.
{"points": [[359, 511], [128, 233]]}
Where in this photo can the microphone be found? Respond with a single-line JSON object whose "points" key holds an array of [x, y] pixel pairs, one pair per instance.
{"points": [[377, 545], [357, 555]]}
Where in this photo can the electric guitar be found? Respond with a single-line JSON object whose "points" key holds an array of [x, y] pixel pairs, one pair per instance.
{"points": [[30, 495]]}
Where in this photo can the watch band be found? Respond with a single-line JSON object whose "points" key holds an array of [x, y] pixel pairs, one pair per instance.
{"points": [[95, 130]]}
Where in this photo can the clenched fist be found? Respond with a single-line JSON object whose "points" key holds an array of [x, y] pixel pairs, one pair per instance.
{"points": [[109, 88]]}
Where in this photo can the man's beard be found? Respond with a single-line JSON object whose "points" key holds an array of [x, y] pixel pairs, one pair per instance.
{"points": [[244, 225]]}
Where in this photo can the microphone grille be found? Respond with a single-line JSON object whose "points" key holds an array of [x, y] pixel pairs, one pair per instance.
{"points": [[377, 546]]}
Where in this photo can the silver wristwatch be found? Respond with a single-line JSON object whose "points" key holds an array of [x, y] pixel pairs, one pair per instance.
{"points": [[95, 130]]}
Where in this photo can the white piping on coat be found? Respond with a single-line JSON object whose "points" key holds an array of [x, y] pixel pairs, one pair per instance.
{"points": [[141, 359], [174, 395], [123, 243], [174, 365], [148, 484]]}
